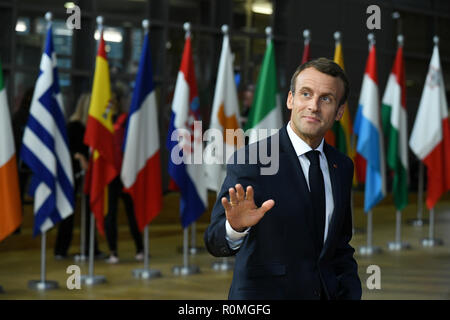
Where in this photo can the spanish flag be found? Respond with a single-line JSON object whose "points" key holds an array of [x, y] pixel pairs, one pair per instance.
{"points": [[99, 137], [10, 208]]}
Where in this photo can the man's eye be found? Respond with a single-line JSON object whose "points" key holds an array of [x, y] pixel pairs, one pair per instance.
{"points": [[305, 94], [326, 99]]}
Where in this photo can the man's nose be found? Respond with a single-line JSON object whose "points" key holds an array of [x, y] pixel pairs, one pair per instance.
{"points": [[314, 104]]}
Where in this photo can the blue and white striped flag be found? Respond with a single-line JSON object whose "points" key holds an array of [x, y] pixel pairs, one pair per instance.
{"points": [[45, 147]]}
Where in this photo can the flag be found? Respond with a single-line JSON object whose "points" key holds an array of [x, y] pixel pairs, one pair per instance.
{"points": [[10, 207], [370, 138], [306, 52], [394, 119], [45, 147], [340, 135], [141, 166], [188, 175], [99, 137], [265, 112], [225, 115], [430, 137]]}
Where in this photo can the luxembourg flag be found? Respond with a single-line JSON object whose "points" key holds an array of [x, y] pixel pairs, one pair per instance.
{"points": [[141, 167], [188, 175], [430, 137], [370, 137], [45, 148]]}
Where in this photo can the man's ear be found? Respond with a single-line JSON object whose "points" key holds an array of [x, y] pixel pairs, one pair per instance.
{"points": [[289, 100], [340, 112]]}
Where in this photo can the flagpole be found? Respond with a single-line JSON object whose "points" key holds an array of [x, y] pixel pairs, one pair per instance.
{"points": [[43, 284], [186, 269], [431, 241], [369, 249], [82, 256], [269, 35], [397, 244], [146, 272], [92, 279], [419, 222]]}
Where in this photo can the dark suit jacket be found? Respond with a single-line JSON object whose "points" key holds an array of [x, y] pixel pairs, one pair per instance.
{"points": [[278, 259]]}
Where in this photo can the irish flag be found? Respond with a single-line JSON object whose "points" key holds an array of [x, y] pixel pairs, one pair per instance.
{"points": [[394, 118], [10, 207], [430, 137], [265, 112], [224, 115], [99, 136]]}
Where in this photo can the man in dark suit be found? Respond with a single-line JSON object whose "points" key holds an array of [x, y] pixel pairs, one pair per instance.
{"points": [[290, 231]]}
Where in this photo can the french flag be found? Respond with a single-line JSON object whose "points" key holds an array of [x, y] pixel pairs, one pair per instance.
{"points": [[189, 176], [141, 167], [370, 138]]}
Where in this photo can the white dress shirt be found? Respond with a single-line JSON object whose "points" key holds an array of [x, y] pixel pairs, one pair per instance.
{"points": [[235, 238]]}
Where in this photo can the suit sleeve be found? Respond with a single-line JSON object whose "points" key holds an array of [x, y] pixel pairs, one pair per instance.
{"points": [[345, 266], [215, 235]]}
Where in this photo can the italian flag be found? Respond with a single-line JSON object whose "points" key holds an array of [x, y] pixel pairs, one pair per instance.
{"points": [[265, 112], [430, 137], [10, 207], [394, 119]]}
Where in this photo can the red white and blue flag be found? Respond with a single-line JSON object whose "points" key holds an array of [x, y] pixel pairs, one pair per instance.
{"points": [[185, 143], [141, 166]]}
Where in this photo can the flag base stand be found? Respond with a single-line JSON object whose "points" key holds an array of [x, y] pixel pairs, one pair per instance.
{"points": [[80, 258], [418, 222], [146, 273], [431, 242], [185, 270], [369, 250], [398, 245], [224, 265], [92, 280], [42, 285]]}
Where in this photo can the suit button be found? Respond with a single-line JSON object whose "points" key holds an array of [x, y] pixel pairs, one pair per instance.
{"points": [[224, 250]]}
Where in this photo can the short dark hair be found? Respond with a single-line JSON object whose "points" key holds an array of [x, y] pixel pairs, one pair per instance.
{"points": [[326, 66]]}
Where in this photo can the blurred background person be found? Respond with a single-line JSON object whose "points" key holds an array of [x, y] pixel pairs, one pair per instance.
{"points": [[118, 101]]}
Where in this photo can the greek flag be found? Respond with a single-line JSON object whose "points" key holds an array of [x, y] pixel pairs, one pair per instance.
{"points": [[45, 148]]}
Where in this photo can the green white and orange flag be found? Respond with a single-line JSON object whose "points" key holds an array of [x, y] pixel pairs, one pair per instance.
{"points": [[99, 137], [394, 119], [10, 207], [340, 135]]}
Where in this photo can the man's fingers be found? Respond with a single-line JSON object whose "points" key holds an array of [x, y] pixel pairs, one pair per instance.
{"points": [[233, 197], [240, 192], [249, 193], [266, 206], [226, 205]]}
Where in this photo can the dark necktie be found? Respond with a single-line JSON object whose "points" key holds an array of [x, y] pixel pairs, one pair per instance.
{"points": [[317, 189]]}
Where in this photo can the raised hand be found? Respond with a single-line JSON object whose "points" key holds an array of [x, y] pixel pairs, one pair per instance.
{"points": [[241, 211]]}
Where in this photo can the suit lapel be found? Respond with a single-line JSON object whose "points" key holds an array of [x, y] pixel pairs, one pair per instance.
{"points": [[290, 158], [335, 186]]}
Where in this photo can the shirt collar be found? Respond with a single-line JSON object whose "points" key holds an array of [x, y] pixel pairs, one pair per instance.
{"points": [[300, 146]]}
